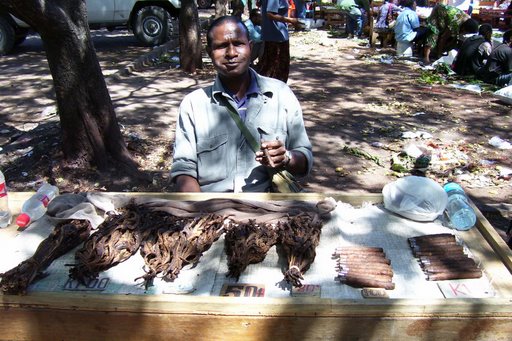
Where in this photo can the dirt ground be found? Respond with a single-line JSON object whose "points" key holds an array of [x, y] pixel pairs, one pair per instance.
{"points": [[362, 109]]}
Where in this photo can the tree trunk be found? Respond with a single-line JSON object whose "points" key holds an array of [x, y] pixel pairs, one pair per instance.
{"points": [[89, 127], [190, 37]]}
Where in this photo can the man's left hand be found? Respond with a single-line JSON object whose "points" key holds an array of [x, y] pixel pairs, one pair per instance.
{"points": [[272, 154]]}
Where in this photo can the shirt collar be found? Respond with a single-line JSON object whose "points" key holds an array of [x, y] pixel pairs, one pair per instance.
{"points": [[219, 90]]}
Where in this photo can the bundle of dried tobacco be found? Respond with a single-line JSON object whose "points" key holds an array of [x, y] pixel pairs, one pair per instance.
{"points": [[299, 236], [116, 240], [247, 243], [64, 237]]}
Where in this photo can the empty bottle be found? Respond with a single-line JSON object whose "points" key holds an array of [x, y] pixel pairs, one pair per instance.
{"points": [[459, 212], [5, 213], [35, 207]]}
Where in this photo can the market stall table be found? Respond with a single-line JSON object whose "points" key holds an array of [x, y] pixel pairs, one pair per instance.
{"points": [[192, 308]]}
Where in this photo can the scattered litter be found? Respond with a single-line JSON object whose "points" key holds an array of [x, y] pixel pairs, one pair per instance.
{"points": [[414, 151], [419, 113], [49, 111], [25, 174], [386, 59], [5, 131], [505, 172], [487, 163], [361, 153], [418, 134], [378, 144], [470, 87], [504, 94], [499, 143]]}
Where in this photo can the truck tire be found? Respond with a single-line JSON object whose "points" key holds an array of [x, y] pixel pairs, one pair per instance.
{"points": [[203, 4], [7, 36], [152, 25]]}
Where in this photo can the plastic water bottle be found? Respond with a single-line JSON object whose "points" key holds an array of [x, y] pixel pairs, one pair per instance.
{"points": [[35, 207], [5, 213], [461, 214]]}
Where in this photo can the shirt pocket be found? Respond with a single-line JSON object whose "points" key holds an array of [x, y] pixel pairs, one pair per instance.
{"points": [[269, 133], [212, 159]]}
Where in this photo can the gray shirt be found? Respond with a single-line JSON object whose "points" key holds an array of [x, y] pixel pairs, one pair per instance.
{"points": [[210, 147]]}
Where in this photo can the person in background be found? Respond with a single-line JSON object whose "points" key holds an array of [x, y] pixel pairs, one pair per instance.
{"points": [[358, 12], [275, 61], [253, 25], [498, 69], [444, 24], [388, 12], [407, 27], [300, 9], [474, 52], [211, 154]]}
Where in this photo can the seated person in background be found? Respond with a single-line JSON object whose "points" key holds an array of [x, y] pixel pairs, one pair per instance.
{"points": [[444, 24], [407, 27], [474, 52], [254, 27], [211, 154], [498, 69], [387, 15]]}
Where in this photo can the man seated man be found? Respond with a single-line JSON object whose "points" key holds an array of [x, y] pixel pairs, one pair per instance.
{"points": [[498, 69], [474, 52], [211, 154]]}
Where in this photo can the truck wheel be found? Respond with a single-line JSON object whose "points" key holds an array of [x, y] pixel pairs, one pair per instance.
{"points": [[152, 25], [203, 4], [7, 37]]}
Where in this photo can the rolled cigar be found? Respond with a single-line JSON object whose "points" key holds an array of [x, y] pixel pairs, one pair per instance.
{"points": [[363, 259], [439, 253], [359, 249], [451, 268], [454, 275], [449, 262], [383, 277], [433, 242], [449, 238], [368, 283], [444, 247], [384, 272], [368, 267], [433, 236], [358, 253], [442, 258]]}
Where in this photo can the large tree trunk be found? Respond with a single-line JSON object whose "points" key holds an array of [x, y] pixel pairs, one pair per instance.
{"points": [[190, 37], [90, 131]]}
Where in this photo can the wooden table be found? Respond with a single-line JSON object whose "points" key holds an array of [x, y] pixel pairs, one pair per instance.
{"points": [[85, 316]]}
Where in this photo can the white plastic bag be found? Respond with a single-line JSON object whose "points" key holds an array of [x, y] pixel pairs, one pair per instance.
{"points": [[415, 197]]}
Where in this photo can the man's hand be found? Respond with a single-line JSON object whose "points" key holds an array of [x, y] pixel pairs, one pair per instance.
{"points": [[272, 154]]}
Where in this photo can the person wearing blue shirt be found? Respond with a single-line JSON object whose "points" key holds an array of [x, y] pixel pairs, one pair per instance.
{"points": [[407, 27]]}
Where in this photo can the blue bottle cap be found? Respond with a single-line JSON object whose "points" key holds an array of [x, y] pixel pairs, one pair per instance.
{"points": [[450, 186]]}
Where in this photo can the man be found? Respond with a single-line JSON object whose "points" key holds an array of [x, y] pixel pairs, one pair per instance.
{"points": [[253, 25], [407, 26], [498, 69], [356, 12], [211, 154], [275, 61], [474, 52]]}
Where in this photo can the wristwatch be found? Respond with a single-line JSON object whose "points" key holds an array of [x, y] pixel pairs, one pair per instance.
{"points": [[287, 158]]}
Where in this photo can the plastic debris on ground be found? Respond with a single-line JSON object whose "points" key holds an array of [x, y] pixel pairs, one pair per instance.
{"points": [[417, 134], [499, 143], [470, 87]]}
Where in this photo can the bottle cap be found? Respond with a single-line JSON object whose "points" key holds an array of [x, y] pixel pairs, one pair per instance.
{"points": [[22, 220], [450, 186]]}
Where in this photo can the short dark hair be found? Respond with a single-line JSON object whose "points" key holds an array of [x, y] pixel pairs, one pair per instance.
{"points": [[407, 3], [255, 12], [221, 20], [469, 26], [485, 29], [506, 36]]}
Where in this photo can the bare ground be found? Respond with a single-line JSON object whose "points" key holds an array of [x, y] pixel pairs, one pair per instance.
{"points": [[356, 109]]}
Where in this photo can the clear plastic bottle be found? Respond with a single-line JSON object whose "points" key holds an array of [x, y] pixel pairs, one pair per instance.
{"points": [[35, 207], [5, 212], [459, 211]]}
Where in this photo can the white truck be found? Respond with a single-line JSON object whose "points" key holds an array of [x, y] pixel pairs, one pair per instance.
{"points": [[153, 22]]}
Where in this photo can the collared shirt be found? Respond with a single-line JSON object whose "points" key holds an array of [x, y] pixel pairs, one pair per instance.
{"points": [[272, 30], [405, 26], [243, 103], [211, 148]]}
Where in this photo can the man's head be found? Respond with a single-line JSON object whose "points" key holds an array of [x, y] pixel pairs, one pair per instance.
{"points": [[408, 3], [485, 31], [469, 26], [229, 47], [255, 16], [507, 37]]}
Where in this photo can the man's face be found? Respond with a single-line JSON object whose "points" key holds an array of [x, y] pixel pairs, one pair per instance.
{"points": [[230, 50]]}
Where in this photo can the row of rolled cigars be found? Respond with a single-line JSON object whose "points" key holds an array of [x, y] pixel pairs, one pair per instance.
{"points": [[364, 267], [172, 234], [442, 257]]}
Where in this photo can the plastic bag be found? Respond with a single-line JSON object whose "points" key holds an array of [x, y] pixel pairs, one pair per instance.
{"points": [[415, 197]]}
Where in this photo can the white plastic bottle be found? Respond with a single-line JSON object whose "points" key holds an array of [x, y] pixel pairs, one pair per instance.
{"points": [[461, 214], [35, 207], [5, 212]]}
